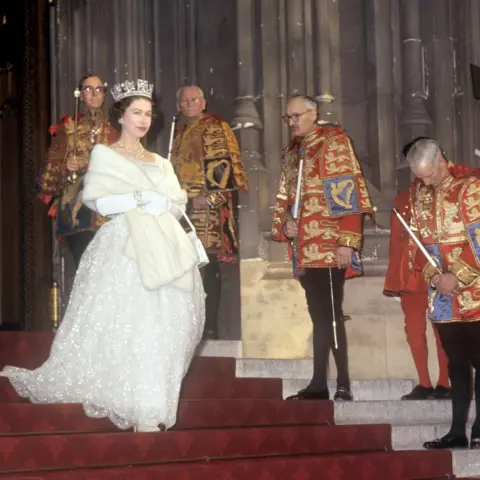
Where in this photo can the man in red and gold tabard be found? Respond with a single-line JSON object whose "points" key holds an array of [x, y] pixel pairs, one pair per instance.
{"points": [[403, 281], [61, 179], [408, 284], [446, 217], [203, 141], [326, 237]]}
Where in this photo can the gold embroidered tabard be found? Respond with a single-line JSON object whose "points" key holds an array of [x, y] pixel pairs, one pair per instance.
{"points": [[71, 215], [202, 138], [446, 222], [333, 199]]}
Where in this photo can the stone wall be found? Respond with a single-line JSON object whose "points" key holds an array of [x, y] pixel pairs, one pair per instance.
{"points": [[276, 324]]}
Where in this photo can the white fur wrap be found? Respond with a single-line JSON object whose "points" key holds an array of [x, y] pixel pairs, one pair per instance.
{"points": [[163, 251]]}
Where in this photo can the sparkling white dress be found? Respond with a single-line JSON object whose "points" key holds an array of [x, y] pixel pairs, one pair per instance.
{"points": [[121, 350]]}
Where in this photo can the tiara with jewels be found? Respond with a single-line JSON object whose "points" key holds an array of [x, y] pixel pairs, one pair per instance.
{"points": [[130, 88]]}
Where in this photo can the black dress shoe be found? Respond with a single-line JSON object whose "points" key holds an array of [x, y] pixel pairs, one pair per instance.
{"points": [[310, 395], [442, 393], [343, 395], [475, 443], [420, 393], [448, 441]]}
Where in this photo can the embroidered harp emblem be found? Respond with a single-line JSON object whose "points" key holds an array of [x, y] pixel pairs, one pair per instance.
{"points": [[218, 174]]}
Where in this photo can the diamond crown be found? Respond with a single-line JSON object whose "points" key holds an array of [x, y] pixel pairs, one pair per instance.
{"points": [[130, 88]]}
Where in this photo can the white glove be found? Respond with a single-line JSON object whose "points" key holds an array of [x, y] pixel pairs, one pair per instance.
{"points": [[151, 202], [155, 203]]}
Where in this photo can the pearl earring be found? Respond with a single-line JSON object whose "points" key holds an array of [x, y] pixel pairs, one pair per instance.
{"points": [[120, 121]]}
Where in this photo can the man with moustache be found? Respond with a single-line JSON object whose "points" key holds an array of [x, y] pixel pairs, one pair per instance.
{"points": [[326, 236], [445, 214], [60, 182], [199, 139]]}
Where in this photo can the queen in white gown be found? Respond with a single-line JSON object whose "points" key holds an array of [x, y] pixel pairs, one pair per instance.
{"points": [[136, 311]]}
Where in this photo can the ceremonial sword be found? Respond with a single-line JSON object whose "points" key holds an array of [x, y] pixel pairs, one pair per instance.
{"points": [[429, 258]]}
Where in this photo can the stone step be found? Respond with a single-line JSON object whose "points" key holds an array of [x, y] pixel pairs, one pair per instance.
{"points": [[297, 372], [220, 348], [274, 368], [466, 463], [399, 412], [362, 390], [407, 437], [375, 244]]}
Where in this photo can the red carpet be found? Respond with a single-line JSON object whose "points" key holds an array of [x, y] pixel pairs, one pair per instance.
{"points": [[227, 428]]}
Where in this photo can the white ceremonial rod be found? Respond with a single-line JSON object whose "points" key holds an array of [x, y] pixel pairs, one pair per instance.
{"points": [[170, 143], [332, 299], [299, 187], [431, 261]]}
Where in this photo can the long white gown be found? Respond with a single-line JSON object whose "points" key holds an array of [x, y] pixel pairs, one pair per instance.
{"points": [[121, 350]]}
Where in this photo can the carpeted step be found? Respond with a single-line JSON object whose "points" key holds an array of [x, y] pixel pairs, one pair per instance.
{"points": [[211, 387], [349, 466], [197, 386], [95, 449], [26, 417], [24, 349], [31, 349]]}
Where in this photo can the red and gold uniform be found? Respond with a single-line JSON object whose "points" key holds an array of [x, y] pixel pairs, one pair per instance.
{"points": [[334, 198], [447, 220], [204, 137], [404, 281], [401, 276], [71, 215]]}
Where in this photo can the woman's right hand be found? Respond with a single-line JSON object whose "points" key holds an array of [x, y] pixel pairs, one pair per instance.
{"points": [[155, 203]]}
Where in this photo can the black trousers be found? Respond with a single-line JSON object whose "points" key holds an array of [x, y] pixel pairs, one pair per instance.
{"points": [[316, 283], [461, 342], [212, 283], [78, 242]]}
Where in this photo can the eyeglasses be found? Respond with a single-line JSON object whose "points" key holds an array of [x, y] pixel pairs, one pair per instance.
{"points": [[295, 117], [192, 99], [89, 89]]}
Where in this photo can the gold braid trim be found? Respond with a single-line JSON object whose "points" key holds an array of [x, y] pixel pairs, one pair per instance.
{"points": [[350, 239], [429, 272], [464, 272]]}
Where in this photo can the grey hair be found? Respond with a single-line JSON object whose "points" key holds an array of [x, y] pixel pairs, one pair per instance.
{"points": [[424, 152], [179, 91], [309, 102]]}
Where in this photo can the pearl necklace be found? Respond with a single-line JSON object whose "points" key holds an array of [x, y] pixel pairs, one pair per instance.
{"points": [[136, 153]]}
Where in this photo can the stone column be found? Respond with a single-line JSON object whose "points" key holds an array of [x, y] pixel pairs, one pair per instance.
{"points": [[443, 76], [382, 107], [328, 60], [415, 120], [247, 122]]}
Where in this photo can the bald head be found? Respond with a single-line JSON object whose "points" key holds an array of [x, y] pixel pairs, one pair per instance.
{"points": [[427, 161]]}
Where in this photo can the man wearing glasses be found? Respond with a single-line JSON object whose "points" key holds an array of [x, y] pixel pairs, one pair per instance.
{"points": [[204, 152], [326, 234], [61, 180]]}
